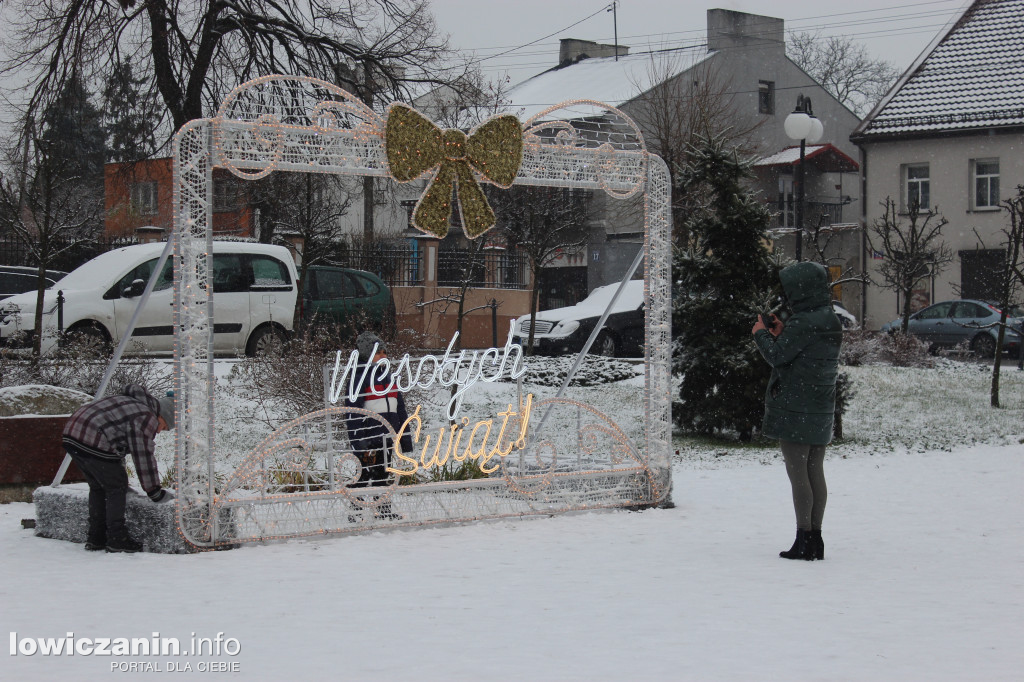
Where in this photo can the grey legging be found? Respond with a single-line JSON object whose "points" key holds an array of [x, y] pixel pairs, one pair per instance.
{"points": [[805, 466]]}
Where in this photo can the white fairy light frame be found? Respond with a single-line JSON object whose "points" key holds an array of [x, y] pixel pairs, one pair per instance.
{"points": [[283, 123]]}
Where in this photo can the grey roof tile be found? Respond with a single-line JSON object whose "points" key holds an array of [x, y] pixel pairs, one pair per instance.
{"points": [[973, 78]]}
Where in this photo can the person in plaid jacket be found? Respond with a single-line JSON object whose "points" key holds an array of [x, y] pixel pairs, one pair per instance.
{"points": [[98, 436]]}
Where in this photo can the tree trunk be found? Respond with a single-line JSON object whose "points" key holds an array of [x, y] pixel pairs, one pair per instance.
{"points": [[368, 209], [907, 295], [37, 342], [368, 87], [534, 299], [994, 393], [1004, 303]]}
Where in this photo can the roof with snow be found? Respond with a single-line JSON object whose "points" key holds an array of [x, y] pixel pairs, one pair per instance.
{"points": [[824, 157], [598, 78], [973, 78]]}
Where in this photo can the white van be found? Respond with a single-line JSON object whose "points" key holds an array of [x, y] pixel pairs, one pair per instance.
{"points": [[254, 288]]}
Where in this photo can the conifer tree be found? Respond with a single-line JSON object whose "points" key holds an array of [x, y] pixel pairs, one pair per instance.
{"points": [[723, 277], [130, 116], [72, 136]]}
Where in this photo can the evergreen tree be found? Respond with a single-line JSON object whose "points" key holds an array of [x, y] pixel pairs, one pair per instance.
{"points": [[130, 116], [723, 278], [72, 137], [59, 204]]}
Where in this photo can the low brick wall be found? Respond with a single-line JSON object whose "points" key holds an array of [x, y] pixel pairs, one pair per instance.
{"points": [[477, 329], [31, 450]]}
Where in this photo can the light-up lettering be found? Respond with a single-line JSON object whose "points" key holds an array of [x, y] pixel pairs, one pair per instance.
{"points": [[449, 438], [447, 371]]}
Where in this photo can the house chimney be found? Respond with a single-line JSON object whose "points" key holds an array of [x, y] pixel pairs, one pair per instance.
{"points": [[571, 50], [727, 29]]}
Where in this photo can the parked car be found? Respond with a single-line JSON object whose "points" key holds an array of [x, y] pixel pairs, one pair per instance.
{"points": [[949, 323], [17, 279], [254, 288], [846, 318], [566, 330], [354, 300]]}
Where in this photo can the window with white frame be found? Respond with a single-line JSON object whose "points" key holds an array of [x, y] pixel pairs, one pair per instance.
{"points": [[916, 186], [787, 213], [985, 183], [144, 198]]}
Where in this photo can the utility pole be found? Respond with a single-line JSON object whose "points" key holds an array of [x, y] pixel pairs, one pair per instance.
{"points": [[615, 24]]}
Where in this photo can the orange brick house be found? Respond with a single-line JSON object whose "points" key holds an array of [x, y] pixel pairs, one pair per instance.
{"points": [[138, 195]]}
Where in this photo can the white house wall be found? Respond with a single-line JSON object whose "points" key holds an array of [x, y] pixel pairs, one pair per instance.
{"points": [[950, 189]]}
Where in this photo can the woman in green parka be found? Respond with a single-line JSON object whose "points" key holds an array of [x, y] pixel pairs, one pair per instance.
{"points": [[801, 397]]}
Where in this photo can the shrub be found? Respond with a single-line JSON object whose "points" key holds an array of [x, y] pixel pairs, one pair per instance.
{"points": [[290, 382], [595, 370], [844, 394], [80, 364], [862, 347]]}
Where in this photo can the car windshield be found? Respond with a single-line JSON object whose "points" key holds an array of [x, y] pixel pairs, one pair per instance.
{"points": [[98, 272], [631, 298]]}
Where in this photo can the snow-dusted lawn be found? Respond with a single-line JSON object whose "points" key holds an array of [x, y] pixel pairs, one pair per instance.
{"points": [[922, 578]]}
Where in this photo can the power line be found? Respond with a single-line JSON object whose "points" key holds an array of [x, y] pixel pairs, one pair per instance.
{"points": [[561, 30], [924, 29], [701, 31]]}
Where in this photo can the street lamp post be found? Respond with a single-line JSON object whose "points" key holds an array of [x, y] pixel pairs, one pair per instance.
{"points": [[804, 126]]}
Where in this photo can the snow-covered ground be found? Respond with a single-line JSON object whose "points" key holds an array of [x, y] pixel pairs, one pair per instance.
{"points": [[922, 581]]}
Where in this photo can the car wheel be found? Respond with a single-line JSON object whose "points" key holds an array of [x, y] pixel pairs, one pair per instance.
{"points": [[88, 337], [604, 345], [984, 346], [265, 340]]}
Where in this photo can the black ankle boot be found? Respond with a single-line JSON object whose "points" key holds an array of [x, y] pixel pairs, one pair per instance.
{"points": [[801, 548], [122, 542], [817, 545], [386, 512]]}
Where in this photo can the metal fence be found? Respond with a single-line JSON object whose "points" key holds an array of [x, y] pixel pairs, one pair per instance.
{"points": [[487, 269], [398, 265], [401, 265], [69, 256]]}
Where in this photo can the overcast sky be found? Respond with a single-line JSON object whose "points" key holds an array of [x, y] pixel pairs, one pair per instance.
{"points": [[519, 38], [894, 30]]}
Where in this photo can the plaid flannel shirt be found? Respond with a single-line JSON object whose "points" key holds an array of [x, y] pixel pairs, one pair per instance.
{"points": [[112, 427]]}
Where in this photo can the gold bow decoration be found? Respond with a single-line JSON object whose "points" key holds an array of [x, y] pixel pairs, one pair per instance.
{"points": [[415, 146]]}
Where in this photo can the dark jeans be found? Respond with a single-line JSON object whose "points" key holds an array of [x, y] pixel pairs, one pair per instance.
{"points": [[108, 486], [374, 472]]}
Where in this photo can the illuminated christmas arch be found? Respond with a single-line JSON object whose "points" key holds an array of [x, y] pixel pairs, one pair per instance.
{"points": [[296, 482]]}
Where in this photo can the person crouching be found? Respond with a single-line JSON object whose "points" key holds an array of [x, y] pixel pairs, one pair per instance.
{"points": [[98, 436]]}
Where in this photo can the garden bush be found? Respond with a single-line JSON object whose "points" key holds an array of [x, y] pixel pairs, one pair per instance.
{"points": [[861, 347]]}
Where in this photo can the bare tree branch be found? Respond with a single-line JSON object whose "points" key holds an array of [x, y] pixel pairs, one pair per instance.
{"points": [[913, 251], [195, 49], [843, 68]]}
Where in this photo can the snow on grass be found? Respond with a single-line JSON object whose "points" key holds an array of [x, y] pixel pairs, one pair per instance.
{"points": [[924, 542], [899, 409]]}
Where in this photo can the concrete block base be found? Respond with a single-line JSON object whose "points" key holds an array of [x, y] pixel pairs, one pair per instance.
{"points": [[62, 513]]}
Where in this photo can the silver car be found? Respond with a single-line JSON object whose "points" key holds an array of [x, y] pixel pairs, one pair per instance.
{"points": [[951, 323]]}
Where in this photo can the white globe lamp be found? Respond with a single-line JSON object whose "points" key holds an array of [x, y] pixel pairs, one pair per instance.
{"points": [[798, 125], [817, 130]]}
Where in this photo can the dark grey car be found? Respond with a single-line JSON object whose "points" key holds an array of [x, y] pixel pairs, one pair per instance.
{"points": [[950, 323], [17, 279]]}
